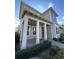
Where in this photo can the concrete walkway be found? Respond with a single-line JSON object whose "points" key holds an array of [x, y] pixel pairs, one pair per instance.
{"points": [[58, 44]]}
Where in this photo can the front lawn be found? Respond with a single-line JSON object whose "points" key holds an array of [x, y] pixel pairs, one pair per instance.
{"points": [[43, 50]]}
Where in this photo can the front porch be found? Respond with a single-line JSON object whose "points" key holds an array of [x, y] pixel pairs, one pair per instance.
{"points": [[44, 30], [32, 30]]}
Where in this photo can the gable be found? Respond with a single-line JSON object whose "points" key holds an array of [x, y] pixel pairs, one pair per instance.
{"points": [[49, 14], [24, 7], [46, 16]]}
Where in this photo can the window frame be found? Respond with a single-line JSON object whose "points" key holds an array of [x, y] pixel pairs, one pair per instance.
{"points": [[28, 30]]}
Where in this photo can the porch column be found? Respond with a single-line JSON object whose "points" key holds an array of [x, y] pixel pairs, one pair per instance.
{"points": [[37, 32], [24, 34], [54, 31], [45, 32], [20, 32]]}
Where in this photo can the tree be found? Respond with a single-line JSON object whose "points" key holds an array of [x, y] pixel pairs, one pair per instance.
{"points": [[17, 38]]}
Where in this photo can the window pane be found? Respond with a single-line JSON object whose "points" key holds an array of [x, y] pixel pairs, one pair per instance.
{"points": [[34, 30], [28, 31]]}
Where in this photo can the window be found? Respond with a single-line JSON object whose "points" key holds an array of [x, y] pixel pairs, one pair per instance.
{"points": [[34, 30], [28, 31]]}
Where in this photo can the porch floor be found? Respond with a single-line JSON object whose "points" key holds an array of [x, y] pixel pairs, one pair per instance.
{"points": [[32, 42]]}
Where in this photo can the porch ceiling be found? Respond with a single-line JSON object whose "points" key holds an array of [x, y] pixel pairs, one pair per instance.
{"points": [[32, 22]]}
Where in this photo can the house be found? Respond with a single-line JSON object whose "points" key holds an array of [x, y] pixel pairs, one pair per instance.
{"points": [[59, 30], [35, 25]]}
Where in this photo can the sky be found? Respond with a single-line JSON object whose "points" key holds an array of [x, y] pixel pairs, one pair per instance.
{"points": [[41, 6]]}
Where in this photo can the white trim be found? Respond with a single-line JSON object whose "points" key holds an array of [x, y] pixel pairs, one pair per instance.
{"points": [[35, 19]]}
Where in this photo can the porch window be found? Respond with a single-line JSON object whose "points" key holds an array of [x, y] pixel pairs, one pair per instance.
{"points": [[28, 31], [34, 30]]}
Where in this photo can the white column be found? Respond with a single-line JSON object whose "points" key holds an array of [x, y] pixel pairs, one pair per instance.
{"points": [[24, 35], [20, 31], [45, 32], [54, 31], [37, 32]]}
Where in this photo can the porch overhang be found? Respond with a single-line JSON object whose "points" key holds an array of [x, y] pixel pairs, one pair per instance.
{"points": [[35, 16]]}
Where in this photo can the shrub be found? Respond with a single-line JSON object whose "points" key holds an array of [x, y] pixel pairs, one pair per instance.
{"points": [[17, 49], [61, 39], [31, 52], [53, 51], [59, 55], [55, 39], [49, 53], [45, 56]]}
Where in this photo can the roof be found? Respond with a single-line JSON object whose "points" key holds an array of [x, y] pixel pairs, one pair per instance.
{"points": [[26, 8]]}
